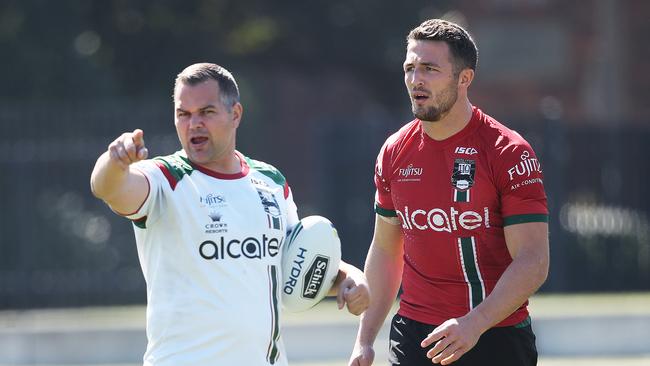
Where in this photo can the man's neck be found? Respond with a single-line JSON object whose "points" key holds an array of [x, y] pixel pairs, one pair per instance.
{"points": [[228, 164], [452, 123]]}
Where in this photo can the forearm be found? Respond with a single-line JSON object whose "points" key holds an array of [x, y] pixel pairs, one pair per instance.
{"points": [[520, 280], [346, 270], [107, 177], [384, 273]]}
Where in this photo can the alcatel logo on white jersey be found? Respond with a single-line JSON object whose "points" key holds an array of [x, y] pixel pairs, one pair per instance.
{"points": [[465, 150], [248, 248], [439, 220], [525, 167], [410, 171]]}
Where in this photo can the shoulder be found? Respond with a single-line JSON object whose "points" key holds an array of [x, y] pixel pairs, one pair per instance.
{"points": [[174, 167], [405, 133], [402, 137], [266, 169], [176, 162], [500, 139]]}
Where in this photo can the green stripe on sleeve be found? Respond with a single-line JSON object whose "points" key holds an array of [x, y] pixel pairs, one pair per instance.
{"points": [[522, 219], [385, 212]]}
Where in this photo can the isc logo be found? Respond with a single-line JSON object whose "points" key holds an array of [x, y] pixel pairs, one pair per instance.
{"points": [[466, 150]]}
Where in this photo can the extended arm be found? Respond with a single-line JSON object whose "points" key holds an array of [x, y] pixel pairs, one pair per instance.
{"points": [[383, 269], [529, 248], [113, 179]]}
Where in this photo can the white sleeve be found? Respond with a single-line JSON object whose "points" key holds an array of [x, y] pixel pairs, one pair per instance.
{"points": [[153, 204], [292, 212]]}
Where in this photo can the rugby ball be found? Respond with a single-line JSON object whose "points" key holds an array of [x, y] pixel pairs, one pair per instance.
{"points": [[310, 263]]}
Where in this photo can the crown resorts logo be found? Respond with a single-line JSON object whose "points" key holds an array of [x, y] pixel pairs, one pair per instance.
{"points": [[214, 203]]}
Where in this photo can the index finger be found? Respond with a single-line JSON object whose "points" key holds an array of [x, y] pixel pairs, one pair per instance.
{"points": [[138, 137], [434, 336], [340, 297]]}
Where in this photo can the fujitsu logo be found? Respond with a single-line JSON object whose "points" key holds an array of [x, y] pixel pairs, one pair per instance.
{"points": [[437, 219], [410, 170], [526, 166]]}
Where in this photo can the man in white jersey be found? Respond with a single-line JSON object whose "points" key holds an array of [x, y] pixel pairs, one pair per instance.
{"points": [[209, 225]]}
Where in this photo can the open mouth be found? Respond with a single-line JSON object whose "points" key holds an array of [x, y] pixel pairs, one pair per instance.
{"points": [[198, 140], [420, 96]]}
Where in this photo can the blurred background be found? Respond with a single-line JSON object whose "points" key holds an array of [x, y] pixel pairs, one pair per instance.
{"points": [[322, 87]]}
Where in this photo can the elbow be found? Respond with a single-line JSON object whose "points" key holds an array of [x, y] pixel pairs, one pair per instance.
{"points": [[541, 271], [543, 276], [93, 190], [97, 192]]}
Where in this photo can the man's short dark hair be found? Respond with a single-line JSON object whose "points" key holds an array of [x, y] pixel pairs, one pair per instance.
{"points": [[198, 73], [461, 45]]}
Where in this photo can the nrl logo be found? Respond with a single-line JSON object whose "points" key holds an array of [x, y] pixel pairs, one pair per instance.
{"points": [[462, 177]]}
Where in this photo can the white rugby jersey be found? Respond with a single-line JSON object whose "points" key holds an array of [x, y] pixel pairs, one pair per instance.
{"points": [[210, 249]]}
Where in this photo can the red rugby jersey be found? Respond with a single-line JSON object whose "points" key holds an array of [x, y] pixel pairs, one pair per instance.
{"points": [[453, 198]]}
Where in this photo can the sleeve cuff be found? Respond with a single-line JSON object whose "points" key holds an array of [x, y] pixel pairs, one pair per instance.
{"points": [[384, 212], [522, 219]]}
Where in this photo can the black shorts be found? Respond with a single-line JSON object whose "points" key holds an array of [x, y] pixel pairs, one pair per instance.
{"points": [[503, 346]]}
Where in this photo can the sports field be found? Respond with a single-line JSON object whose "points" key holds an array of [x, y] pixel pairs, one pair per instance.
{"points": [[610, 329], [634, 361]]}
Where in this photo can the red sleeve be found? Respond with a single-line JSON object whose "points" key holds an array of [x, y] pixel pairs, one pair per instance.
{"points": [[521, 184], [383, 201]]}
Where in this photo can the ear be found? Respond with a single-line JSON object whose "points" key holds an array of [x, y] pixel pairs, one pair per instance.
{"points": [[465, 78], [237, 111]]}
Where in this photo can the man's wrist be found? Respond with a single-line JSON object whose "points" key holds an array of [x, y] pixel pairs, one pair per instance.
{"points": [[479, 319]]}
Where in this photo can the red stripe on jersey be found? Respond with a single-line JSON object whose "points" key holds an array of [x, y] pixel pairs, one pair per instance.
{"points": [[170, 178], [286, 190]]}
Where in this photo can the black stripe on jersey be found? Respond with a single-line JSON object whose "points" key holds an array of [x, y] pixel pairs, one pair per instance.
{"points": [[273, 353]]}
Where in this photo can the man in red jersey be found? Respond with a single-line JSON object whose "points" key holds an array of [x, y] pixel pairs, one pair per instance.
{"points": [[461, 221]]}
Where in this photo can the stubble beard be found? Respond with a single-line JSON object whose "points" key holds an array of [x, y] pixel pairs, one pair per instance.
{"points": [[443, 102]]}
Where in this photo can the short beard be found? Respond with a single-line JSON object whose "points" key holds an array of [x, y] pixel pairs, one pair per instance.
{"points": [[444, 101]]}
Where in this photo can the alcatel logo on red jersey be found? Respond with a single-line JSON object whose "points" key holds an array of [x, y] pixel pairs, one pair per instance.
{"points": [[466, 150], [410, 171], [439, 220], [526, 166]]}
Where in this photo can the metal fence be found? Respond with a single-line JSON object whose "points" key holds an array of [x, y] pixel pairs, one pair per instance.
{"points": [[59, 246]]}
